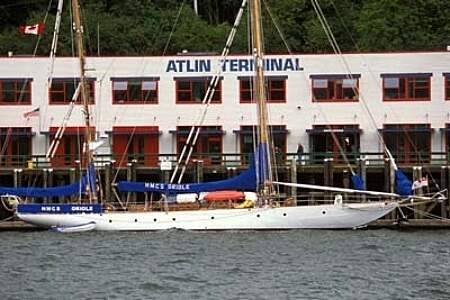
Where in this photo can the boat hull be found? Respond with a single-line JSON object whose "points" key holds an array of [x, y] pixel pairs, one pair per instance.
{"points": [[297, 217]]}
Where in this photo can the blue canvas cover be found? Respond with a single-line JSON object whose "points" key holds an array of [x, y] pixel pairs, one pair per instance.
{"points": [[358, 183], [247, 180], [65, 190], [244, 181], [403, 185]]}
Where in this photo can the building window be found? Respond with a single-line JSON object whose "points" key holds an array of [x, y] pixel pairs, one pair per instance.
{"points": [[193, 90], [408, 143], [412, 87], [335, 88], [62, 90], [247, 135], [70, 148], [332, 141], [15, 91], [209, 143], [447, 86], [140, 144], [135, 90], [275, 89], [15, 146]]}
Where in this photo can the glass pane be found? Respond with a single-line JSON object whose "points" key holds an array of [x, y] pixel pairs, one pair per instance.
{"points": [[199, 90], [246, 84], [149, 96], [349, 83], [57, 97], [184, 96], [120, 96], [246, 96], [149, 85], [349, 94], [184, 85], [391, 93], [320, 83], [391, 82], [277, 96], [276, 84], [70, 90], [134, 91], [320, 94], [120, 85], [422, 93]]}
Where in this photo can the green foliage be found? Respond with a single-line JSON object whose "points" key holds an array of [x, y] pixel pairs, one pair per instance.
{"points": [[145, 27]]}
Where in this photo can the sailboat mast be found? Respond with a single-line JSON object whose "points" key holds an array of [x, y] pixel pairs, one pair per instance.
{"points": [[84, 93], [259, 95]]}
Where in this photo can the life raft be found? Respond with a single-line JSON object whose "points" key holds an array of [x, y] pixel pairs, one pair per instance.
{"points": [[224, 196]]}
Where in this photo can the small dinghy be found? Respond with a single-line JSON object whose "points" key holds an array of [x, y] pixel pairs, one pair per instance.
{"points": [[79, 228]]}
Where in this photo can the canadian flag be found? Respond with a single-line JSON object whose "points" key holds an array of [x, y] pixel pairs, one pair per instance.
{"points": [[36, 29], [420, 183]]}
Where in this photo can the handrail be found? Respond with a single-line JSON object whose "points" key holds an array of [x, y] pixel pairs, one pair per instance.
{"points": [[227, 160]]}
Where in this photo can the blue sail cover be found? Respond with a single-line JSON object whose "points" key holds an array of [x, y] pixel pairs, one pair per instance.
{"points": [[65, 190], [244, 181], [247, 180], [403, 185], [358, 182]]}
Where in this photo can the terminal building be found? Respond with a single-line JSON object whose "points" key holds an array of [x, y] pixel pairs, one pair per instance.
{"points": [[145, 106]]}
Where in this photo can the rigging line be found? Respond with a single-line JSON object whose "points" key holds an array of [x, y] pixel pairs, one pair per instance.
{"points": [[173, 28], [428, 170], [277, 27], [207, 100], [336, 48], [142, 71], [25, 84], [333, 135]]}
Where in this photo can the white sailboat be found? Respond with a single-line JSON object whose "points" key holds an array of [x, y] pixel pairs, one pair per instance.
{"points": [[267, 213]]}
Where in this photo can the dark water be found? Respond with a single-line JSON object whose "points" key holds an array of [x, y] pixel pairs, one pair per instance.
{"points": [[372, 264]]}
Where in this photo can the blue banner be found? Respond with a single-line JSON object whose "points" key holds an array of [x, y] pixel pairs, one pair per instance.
{"points": [[59, 208]]}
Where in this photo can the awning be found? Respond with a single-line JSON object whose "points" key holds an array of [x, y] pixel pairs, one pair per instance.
{"points": [[17, 132], [68, 130], [136, 130], [272, 131], [269, 77], [202, 132], [407, 129], [196, 78], [446, 129], [402, 75], [334, 76], [143, 78], [333, 130]]}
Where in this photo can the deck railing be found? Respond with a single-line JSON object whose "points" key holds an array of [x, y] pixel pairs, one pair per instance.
{"points": [[228, 160]]}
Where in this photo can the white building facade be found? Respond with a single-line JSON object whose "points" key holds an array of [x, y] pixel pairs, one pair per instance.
{"points": [[404, 97]]}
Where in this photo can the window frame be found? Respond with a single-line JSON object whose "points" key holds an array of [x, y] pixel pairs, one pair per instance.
{"points": [[15, 138], [334, 87], [216, 99], [65, 82], [269, 88], [17, 82], [350, 132], [205, 140], [403, 89], [404, 142], [142, 92]]}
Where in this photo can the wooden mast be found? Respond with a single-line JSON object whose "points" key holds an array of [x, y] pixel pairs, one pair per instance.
{"points": [[259, 95], [84, 93]]}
